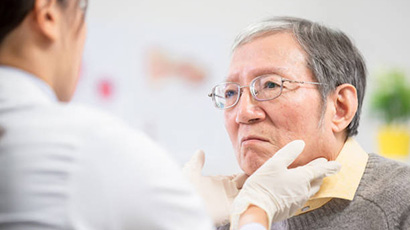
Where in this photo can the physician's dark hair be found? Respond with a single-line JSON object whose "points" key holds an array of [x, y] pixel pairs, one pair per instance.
{"points": [[330, 54], [13, 12]]}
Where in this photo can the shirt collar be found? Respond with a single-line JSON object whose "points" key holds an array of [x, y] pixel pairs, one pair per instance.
{"points": [[344, 184], [39, 83]]}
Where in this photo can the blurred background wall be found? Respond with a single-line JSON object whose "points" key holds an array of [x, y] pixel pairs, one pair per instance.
{"points": [[153, 62]]}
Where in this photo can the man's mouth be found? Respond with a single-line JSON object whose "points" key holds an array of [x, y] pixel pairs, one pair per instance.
{"points": [[251, 139]]}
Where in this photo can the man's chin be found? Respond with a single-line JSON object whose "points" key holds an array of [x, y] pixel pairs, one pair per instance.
{"points": [[251, 166], [252, 160]]}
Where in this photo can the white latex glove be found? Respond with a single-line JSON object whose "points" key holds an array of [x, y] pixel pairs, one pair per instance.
{"points": [[218, 192], [281, 191]]}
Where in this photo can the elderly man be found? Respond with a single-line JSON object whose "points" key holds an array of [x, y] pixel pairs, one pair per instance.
{"points": [[290, 79]]}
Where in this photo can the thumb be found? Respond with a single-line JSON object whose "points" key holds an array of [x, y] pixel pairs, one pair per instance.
{"points": [[195, 164], [239, 180], [332, 167]]}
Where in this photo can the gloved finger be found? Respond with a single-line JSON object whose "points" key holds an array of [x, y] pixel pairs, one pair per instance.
{"points": [[315, 186], [322, 170], [333, 167], [317, 161], [196, 163], [311, 174], [290, 152]]}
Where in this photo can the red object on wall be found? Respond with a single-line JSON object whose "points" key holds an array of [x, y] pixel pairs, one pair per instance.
{"points": [[105, 88]]}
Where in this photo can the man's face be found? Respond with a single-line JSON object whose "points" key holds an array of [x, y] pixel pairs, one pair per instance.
{"points": [[258, 129]]}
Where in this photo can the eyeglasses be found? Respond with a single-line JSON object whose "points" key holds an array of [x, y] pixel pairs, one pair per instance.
{"points": [[83, 4], [263, 88]]}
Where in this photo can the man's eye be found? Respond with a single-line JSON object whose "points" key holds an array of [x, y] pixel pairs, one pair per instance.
{"points": [[230, 93], [270, 85]]}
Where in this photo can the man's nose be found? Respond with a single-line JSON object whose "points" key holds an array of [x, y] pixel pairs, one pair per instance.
{"points": [[247, 110]]}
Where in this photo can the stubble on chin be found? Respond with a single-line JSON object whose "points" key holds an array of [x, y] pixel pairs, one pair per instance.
{"points": [[250, 161], [251, 167]]}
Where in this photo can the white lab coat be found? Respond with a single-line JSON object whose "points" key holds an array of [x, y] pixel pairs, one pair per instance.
{"points": [[69, 167]]}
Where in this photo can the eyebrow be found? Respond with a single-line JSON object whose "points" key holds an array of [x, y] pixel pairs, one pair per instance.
{"points": [[261, 71]]}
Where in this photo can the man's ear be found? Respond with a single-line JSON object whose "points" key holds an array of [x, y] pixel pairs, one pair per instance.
{"points": [[46, 15], [345, 103]]}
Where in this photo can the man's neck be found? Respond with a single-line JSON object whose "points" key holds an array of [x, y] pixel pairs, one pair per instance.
{"points": [[339, 141]]}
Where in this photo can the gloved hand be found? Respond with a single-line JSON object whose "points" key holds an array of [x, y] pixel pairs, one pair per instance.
{"points": [[281, 191], [218, 192]]}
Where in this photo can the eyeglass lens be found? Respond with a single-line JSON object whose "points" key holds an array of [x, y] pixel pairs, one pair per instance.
{"points": [[265, 87]]}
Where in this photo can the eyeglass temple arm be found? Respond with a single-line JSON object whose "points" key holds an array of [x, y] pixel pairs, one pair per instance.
{"points": [[212, 94], [304, 82]]}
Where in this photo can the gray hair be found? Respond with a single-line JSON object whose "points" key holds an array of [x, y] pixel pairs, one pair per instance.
{"points": [[331, 56]]}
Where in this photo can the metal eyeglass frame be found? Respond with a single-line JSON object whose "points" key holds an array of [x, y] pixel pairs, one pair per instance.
{"points": [[83, 5], [252, 89]]}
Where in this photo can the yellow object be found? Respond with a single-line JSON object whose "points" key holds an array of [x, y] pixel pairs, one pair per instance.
{"points": [[394, 142], [344, 184]]}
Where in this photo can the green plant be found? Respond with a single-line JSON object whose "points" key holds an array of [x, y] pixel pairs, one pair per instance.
{"points": [[391, 99]]}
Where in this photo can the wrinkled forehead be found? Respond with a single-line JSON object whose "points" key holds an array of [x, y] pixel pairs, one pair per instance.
{"points": [[256, 72], [278, 53]]}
